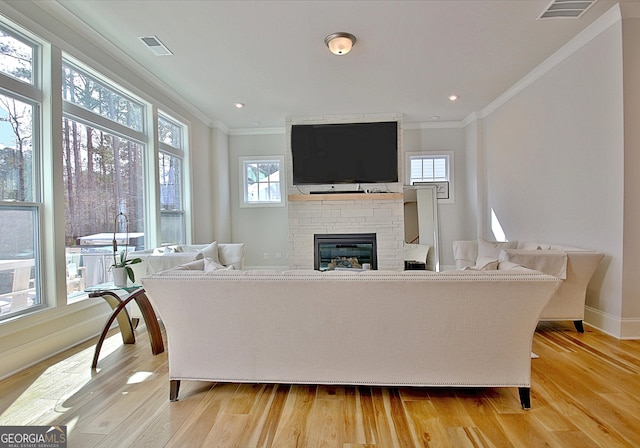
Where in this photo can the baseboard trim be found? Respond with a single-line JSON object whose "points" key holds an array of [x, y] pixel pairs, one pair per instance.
{"points": [[604, 322], [612, 325], [630, 329], [26, 355]]}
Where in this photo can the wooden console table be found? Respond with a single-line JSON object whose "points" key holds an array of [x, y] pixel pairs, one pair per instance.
{"points": [[119, 312]]}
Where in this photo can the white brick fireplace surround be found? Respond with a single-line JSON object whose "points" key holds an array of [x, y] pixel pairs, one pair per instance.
{"points": [[365, 213], [379, 213]]}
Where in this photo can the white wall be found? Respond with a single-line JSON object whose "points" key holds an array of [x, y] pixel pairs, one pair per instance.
{"points": [[219, 188], [554, 164], [262, 229], [631, 279], [474, 192], [202, 178]]}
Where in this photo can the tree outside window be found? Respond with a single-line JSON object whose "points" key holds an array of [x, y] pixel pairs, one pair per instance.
{"points": [[171, 138], [103, 160], [16, 57]]}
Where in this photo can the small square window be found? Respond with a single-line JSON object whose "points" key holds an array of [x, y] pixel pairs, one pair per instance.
{"points": [[432, 166], [261, 180], [429, 169]]}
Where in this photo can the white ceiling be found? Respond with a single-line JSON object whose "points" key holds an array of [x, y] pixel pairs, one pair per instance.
{"points": [[270, 55]]}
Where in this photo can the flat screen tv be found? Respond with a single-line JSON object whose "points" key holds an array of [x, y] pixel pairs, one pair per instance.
{"points": [[345, 153]]}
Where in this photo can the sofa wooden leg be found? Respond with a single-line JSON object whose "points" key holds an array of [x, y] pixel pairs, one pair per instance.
{"points": [[525, 397], [579, 326], [174, 389]]}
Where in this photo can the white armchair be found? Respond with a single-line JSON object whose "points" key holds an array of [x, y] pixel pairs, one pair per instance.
{"points": [[573, 265]]}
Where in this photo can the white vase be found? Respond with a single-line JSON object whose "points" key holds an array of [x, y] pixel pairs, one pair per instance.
{"points": [[119, 276]]}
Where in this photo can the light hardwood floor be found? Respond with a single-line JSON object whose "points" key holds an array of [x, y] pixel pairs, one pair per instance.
{"points": [[585, 393]]}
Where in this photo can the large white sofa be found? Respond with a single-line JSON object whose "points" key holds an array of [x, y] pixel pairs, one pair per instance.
{"points": [[411, 328], [573, 265]]}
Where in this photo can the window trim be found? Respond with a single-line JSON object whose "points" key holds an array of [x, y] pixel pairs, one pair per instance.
{"points": [[32, 94], [167, 148], [98, 76], [183, 154], [242, 197], [93, 120], [26, 37], [450, 155]]}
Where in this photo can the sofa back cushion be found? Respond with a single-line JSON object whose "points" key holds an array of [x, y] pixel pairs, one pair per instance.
{"points": [[491, 249], [231, 254]]}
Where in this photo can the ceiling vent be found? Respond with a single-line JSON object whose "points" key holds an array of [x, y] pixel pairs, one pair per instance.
{"points": [[156, 47], [566, 9]]}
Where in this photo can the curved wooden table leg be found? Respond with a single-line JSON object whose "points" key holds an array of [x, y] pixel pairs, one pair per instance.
{"points": [[124, 322], [150, 321]]}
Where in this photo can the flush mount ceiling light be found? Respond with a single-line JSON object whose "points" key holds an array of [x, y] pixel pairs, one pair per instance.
{"points": [[340, 43], [238, 105], [454, 97]]}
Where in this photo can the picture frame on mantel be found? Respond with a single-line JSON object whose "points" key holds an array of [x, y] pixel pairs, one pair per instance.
{"points": [[442, 188]]}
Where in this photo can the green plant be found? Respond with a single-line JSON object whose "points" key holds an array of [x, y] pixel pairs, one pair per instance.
{"points": [[124, 263]]}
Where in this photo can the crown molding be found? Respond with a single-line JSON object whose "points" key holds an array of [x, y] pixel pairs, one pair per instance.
{"points": [[433, 125], [217, 124], [258, 131], [282, 130]]}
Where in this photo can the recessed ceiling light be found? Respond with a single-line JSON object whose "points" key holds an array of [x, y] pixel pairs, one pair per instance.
{"points": [[454, 97], [434, 117], [239, 105]]}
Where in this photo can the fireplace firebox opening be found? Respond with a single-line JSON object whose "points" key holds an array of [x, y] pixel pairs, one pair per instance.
{"points": [[344, 250]]}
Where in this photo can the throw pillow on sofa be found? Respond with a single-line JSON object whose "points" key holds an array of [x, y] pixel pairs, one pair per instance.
{"points": [[484, 264], [210, 265], [211, 251], [492, 249]]}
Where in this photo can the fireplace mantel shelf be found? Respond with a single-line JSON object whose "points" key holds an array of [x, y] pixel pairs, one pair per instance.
{"points": [[343, 196]]}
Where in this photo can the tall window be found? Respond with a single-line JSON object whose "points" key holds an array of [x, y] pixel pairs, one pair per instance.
{"points": [[103, 157], [261, 181], [171, 137], [20, 199]]}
